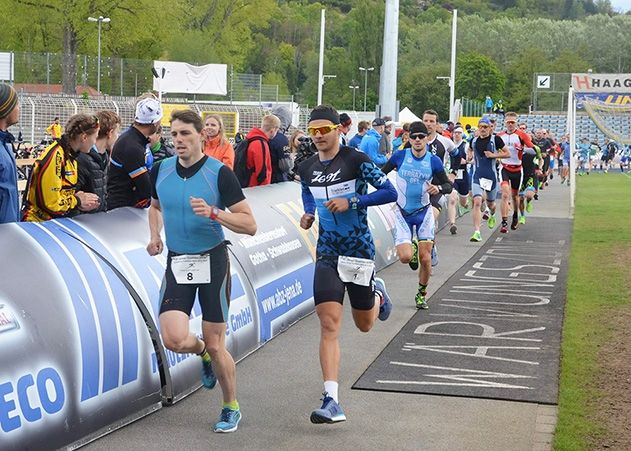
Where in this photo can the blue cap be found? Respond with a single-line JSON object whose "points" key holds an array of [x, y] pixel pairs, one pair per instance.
{"points": [[484, 120]]}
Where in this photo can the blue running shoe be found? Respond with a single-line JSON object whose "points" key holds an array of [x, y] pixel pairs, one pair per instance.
{"points": [[330, 412], [434, 255], [209, 380], [386, 306], [228, 420]]}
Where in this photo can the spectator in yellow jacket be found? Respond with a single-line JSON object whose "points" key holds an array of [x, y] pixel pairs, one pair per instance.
{"points": [[52, 190], [54, 129]]}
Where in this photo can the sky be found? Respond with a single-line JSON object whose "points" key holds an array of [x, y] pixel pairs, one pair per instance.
{"points": [[623, 5]]}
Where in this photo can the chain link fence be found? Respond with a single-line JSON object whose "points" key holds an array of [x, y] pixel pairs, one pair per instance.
{"points": [[38, 111]]}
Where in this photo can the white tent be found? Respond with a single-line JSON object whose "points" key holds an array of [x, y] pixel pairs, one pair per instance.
{"points": [[406, 116]]}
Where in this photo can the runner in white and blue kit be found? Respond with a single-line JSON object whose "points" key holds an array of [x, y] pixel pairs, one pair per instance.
{"points": [[417, 169]]}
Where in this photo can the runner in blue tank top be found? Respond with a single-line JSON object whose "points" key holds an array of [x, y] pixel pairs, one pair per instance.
{"points": [[417, 169], [190, 192], [486, 148]]}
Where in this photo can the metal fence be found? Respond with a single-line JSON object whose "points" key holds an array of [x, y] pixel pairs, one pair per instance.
{"points": [[120, 77], [38, 111]]}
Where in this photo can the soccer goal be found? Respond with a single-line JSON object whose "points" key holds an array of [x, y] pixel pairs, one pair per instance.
{"points": [[606, 98]]}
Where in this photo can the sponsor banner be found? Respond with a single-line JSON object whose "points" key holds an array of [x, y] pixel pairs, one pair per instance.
{"points": [[601, 83], [618, 98], [80, 352]]}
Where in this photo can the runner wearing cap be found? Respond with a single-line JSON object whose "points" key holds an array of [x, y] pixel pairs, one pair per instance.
{"points": [[485, 149], [335, 185], [128, 184], [512, 173], [417, 170]]}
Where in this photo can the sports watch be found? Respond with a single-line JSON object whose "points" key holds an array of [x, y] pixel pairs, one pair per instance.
{"points": [[353, 202]]}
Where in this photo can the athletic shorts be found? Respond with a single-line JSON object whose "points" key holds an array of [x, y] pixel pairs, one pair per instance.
{"points": [[327, 286], [421, 221], [462, 186], [512, 178], [477, 190], [546, 164], [436, 200], [214, 297]]}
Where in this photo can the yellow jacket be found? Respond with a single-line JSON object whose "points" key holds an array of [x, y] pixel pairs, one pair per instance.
{"points": [[54, 130], [51, 191]]}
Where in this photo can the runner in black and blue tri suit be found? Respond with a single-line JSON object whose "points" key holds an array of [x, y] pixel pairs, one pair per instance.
{"points": [[335, 184], [420, 174], [486, 148], [459, 178]]}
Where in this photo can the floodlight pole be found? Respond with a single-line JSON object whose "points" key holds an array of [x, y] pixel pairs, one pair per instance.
{"points": [[99, 20]]}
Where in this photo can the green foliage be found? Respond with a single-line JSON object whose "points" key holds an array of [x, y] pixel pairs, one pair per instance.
{"points": [[501, 43], [478, 76]]}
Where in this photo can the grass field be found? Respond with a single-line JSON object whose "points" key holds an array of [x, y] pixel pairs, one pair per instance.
{"points": [[598, 293]]}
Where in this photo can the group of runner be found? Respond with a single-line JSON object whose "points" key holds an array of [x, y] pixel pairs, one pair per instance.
{"points": [[334, 181]]}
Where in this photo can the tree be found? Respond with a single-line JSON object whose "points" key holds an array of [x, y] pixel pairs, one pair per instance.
{"points": [[63, 26], [419, 90], [478, 76]]}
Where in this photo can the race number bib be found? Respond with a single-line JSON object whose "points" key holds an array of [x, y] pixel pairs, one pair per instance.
{"points": [[486, 184], [459, 174], [355, 270], [191, 269]]}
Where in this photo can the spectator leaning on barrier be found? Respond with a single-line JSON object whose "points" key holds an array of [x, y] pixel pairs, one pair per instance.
{"points": [[362, 128], [52, 189], [189, 196], [54, 129], [9, 115], [128, 184], [92, 166], [370, 142], [258, 158], [216, 145], [282, 163]]}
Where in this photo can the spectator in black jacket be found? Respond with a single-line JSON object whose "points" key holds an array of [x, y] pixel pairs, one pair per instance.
{"points": [[128, 183], [282, 163], [92, 166]]}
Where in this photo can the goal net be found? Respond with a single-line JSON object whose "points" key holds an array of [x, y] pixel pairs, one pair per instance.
{"points": [[613, 120]]}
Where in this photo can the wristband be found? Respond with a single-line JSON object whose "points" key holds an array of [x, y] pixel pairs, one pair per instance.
{"points": [[214, 211]]}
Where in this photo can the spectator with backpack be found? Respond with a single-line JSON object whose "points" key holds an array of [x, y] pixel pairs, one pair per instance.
{"points": [[252, 161]]}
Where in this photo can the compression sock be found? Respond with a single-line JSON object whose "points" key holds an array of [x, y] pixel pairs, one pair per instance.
{"points": [[232, 405], [422, 289], [205, 355]]}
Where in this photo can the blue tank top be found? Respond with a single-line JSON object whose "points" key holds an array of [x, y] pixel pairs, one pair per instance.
{"points": [[187, 233]]}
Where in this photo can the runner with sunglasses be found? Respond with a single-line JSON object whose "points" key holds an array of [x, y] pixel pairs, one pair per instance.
{"points": [[512, 173], [485, 149], [418, 170], [335, 184]]}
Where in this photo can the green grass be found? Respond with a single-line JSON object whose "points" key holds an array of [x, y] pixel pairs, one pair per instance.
{"points": [[600, 251]]}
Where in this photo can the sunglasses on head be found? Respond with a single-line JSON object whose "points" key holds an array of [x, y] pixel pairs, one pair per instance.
{"points": [[89, 127], [414, 136], [324, 129]]}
